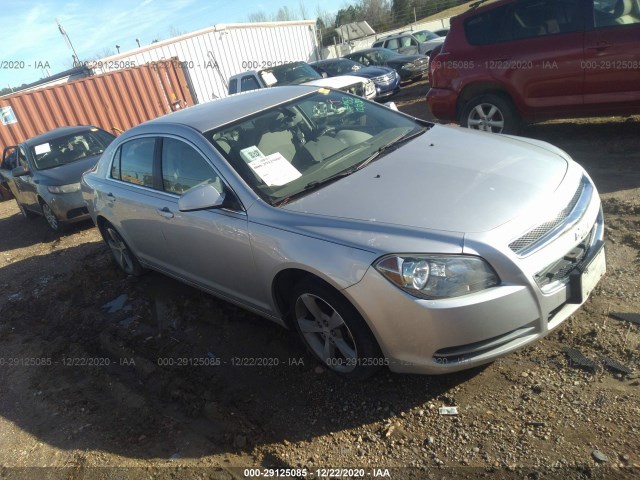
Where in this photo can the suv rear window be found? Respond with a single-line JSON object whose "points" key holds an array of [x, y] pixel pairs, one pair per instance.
{"points": [[525, 19]]}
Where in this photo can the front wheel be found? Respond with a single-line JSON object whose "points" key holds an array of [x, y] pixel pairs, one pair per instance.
{"points": [[51, 218], [333, 330], [122, 254], [490, 113]]}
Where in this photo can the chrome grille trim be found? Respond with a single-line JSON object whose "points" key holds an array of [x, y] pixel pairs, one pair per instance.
{"points": [[542, 234]]}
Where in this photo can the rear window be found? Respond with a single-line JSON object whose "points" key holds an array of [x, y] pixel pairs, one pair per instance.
{"points": [[524, 19]]}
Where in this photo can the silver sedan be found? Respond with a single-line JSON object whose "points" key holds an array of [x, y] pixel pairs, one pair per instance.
{"points": [[381, 239]]}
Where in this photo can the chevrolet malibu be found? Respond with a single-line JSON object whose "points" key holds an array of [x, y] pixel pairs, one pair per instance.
{"points": [[381, 239]]}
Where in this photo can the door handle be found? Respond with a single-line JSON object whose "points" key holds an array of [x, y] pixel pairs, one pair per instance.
{"points": [[111, 197], [165, 212]]}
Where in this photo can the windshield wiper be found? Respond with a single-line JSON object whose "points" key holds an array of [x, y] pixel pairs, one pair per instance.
{"points": [[392, 145], [315, 184]]}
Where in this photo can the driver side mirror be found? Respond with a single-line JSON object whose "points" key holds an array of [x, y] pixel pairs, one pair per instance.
{"points": [[201, 197], [20, 171]]}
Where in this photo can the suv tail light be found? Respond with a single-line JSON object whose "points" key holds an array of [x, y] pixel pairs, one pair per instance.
{"points": [[436, 64]]}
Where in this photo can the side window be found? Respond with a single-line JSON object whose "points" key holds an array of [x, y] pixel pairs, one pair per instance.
{"points": [[233, 86], [136, 162], [377, 44], [408, 42], [525, 19], [538, 18], [614, 13], [115, 166], [393, 44], [248, 82], [184, 168]]}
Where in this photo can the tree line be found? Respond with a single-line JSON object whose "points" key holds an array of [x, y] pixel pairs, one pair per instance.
{"points": [[381, 15]]}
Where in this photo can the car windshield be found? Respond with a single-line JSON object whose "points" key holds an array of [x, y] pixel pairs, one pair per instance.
{"points": [[342, 66], [293, 148], [70, 148], [384, 54], [424, 35], [289, 74]]}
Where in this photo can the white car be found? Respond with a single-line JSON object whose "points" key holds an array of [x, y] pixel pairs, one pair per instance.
{"points": [[299, 73]]}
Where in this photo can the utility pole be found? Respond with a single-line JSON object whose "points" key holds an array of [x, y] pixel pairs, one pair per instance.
{"points": [[76, 59]]}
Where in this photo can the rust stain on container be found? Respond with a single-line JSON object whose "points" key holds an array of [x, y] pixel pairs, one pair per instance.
{"points": [[114, 101]]}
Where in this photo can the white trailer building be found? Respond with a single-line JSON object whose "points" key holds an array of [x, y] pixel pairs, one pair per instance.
{"points": [[211, 55]]}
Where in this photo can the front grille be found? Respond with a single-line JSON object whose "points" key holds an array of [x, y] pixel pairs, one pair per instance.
{"points": [[537, 234], [559, 271], [385, 79]]}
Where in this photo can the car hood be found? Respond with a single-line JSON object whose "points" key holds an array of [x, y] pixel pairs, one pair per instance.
{"points": [[66, 174], [371, 72], [447, 179]]}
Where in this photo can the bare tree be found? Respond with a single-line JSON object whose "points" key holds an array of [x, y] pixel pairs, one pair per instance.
{"points": [[258, 17], [303, 10]]}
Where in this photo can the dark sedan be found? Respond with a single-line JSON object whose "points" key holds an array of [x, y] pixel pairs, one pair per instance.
{"points": [[44, 172], [386, 80], [409, 67]]}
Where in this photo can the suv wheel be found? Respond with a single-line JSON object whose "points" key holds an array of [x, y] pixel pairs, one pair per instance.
{"points": [[490, 113]]}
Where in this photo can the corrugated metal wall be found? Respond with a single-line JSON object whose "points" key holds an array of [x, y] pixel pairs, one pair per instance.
{"points": [[212, 55], [116, 100]]}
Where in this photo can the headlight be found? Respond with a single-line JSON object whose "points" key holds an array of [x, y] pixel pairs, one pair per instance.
{"points": [[71, 188], [437, 276], [410, 66]]}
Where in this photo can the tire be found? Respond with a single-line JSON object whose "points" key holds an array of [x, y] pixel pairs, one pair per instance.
{"points": [[122, 254], [52, 220], [25, 213], [491, 113], [333, 331]]}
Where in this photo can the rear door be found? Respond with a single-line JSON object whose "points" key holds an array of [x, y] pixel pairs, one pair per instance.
{"points": [[612, 55], [134, 203], [535, 49]]}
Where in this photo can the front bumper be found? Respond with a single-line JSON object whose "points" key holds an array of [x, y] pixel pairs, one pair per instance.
{"points": [[68, 207], [448, 335]]}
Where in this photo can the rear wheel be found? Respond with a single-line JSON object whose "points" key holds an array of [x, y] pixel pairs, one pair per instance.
{"points": [[122, 254], [490, 113], [333, 330]]}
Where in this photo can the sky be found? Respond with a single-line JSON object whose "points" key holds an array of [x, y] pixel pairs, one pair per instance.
{"points": [[31, 40]]}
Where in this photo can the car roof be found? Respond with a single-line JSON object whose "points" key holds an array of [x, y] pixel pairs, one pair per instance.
{"points": [[56, 133], [233, 107]]}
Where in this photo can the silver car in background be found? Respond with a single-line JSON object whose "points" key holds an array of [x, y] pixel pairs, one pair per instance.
{"points": [[44, 172], [381, 239]]}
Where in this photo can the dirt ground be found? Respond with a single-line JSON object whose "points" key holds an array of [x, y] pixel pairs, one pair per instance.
{"points": [[105, 376]]}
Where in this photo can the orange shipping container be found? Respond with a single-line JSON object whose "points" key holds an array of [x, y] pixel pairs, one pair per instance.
{"points": [[114, 101]]}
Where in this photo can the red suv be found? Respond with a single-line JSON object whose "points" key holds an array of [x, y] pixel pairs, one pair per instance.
{"points": [[510, 61]]}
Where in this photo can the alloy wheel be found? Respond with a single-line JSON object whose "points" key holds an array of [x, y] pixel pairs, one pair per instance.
{"points": [[486, 117], [120, 251], [326, 333]]}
